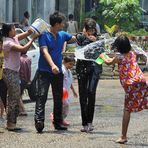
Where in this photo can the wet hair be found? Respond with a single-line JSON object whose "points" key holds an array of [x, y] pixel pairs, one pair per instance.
{"points": [[56, 17], [89, 23], [122, 44], [26, 14], [70, 16], [6, 28], [68, 59]]}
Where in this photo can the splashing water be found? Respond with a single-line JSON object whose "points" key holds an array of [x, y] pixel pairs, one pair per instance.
{"points": [[92, 50], [139, 50]]}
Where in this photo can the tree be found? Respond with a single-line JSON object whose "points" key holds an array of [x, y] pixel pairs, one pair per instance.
{"points": [[124, 13]]}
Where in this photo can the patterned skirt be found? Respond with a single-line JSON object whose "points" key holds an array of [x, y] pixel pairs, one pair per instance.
{"points": [[136, 97]]}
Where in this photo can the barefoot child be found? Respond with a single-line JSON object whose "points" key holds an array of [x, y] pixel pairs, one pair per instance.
{"points": [[132, 80]]}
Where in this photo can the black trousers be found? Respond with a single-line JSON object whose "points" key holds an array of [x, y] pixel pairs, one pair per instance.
{"points": [[88, 76], [3, 92], [44, 81]]}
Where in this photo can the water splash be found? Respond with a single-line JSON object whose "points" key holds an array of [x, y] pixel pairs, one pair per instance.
{"points": [[93, 47]]}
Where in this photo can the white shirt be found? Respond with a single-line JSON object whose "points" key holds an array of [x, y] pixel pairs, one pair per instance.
{"points": [[67, 78]]}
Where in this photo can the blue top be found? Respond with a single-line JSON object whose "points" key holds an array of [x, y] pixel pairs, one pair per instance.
{"points": [[55, 46]]}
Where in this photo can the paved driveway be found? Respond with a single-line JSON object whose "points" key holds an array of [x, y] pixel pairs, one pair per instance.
{"points": [[107, 122]]}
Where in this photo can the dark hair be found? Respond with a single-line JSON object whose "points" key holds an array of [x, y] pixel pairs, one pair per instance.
{"points": [[70, 16], [26, 14], [68, 59], [89, 23], [94, 17], [6, 28], [122, 44], [56, 17]]}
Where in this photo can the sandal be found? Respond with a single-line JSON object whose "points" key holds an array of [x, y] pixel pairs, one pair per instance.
{"points": [[121, 141], [84, 129]]}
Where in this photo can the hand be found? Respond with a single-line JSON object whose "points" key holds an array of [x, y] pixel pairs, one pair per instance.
{"points": [[92, 38], [55, 69], [30, 31], [35, 35]]}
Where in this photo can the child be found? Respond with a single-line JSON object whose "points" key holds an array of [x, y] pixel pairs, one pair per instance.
{"points": [[132, 80], [68, 63]]}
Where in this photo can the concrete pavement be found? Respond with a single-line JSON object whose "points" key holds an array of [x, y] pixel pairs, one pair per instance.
{"points": [[107, 122]]}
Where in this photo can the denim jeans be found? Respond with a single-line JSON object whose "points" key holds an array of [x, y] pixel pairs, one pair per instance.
{"points": [[44, 81]]}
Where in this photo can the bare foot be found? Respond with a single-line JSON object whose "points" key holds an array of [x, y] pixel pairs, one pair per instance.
{"points": [[121, 140]]}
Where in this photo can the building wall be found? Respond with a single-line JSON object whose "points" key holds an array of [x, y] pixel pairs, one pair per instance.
{"points": [[13, 10], [71, 4], [2, 11], [144, 5]]}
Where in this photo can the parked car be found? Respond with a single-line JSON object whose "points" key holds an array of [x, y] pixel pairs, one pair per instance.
{"points": [[33, 52]]}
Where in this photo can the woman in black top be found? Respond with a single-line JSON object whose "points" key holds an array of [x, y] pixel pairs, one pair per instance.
{"points": [[88, 74]]}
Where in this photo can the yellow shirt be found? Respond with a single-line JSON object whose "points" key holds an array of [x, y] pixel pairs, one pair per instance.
{"points": [[1, 63]]}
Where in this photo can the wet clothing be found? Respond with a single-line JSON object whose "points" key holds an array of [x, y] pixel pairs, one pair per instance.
{"points": [[55, 47], [67, 84], [44, 80], [46, 77], [134, 83], [88, 74]]}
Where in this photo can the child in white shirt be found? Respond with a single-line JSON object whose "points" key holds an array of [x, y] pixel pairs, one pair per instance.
{"points": [[68, 63]]}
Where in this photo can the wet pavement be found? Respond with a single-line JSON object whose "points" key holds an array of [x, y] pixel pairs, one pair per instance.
{"points": [[107, 123]]}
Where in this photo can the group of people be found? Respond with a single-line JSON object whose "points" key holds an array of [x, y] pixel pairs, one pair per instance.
{"points": [[51, 71]]}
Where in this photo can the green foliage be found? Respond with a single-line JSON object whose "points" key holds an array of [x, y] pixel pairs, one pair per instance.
{"points": [[140, 32], [124, 13]]}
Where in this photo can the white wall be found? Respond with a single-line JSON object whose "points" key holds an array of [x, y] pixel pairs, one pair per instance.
{"points": [[49, 6], [71, 6]]}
